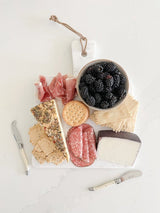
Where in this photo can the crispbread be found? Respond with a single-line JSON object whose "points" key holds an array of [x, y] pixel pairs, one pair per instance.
{"points": [[47, 115], [55, 157], [75, 113], [121, 118], [36, 132], [47, 145], [39, 154], [44, 147]]}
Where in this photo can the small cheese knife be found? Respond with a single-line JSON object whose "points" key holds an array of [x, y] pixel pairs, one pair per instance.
{"points": [[18, 139], [126, 176]]}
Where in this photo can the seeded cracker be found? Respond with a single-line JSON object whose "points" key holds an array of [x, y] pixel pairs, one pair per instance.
{"points": [[47, 115]]}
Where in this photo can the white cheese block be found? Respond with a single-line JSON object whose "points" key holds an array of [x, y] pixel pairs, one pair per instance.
{"points": [[119, 148]]}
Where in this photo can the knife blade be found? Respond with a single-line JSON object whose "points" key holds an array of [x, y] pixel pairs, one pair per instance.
{"points": [[130, 174], [126, 176], [19, 142]]}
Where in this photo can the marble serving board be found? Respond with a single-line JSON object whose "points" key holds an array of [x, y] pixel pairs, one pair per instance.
{"points": [[78, 63], [97, 164]]}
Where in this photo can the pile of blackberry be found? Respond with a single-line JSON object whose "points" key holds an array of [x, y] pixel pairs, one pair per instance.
{"points": [[102, 85]]}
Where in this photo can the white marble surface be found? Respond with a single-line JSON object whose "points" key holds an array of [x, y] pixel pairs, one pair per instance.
{"points": [[126, 31]]}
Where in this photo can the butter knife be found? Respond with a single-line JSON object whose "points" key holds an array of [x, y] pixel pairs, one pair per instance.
{"points": [[18, 139], [126, 176]]}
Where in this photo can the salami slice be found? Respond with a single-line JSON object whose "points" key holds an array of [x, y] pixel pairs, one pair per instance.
{"points": [[91, 142], [88, 145], [75, 141], [77, 161], [85, 153], [85, 126]]}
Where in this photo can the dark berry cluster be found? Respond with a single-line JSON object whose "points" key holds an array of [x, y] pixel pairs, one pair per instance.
{"points": [[102, 85]]}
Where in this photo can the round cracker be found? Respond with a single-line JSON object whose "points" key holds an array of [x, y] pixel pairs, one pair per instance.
{"points": [[75, 113]]}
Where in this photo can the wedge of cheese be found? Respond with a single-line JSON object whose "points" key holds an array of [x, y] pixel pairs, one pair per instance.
{"points": [[119, 148]]}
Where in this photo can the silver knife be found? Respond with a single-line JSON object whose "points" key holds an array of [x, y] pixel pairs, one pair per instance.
{"points": [[18, 139], [126, 176]]}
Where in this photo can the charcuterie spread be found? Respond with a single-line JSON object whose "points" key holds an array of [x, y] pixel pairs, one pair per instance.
{"points": [[101, 92]]}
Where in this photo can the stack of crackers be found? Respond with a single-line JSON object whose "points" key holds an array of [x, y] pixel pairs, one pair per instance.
{"points": [[120, 118], [47, 135], [44, 148]]}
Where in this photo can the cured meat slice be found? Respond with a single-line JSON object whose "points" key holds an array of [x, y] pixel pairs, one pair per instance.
{"points": [[56, 86], [60, 87], [80, 163], [91, 142], [47, 95], [75, 141], [88, 146], [77, 161], [40, 90], [70, 84], [85, 153], [64, 81], [51, 86], [85, 126]]}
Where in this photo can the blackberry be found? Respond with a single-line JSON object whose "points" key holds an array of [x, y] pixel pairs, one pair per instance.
{"points": [[106, 73], [82, 84], [98, 98], [90, 70], [123, 95], [121, 91], [116, 71], [109, 81], [108, 95], [98, 68], [90, 100], [109, 67], [107, 89], [92, 88], [82, 79], [84, 92], [89, 79], [99, 86], [113, 101], [99, 75], [122, 79], [104, 105], [93, 69], [116, 81]]}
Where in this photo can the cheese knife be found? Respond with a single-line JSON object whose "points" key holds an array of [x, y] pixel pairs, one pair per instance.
{"points": [[18, 139], [126, 176]]}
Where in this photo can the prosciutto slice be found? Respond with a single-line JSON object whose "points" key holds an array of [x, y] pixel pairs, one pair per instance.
{"points": [[47, 95], [70, 90], [40, 90], [61, 86], [43, 91], [56, 86]]}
